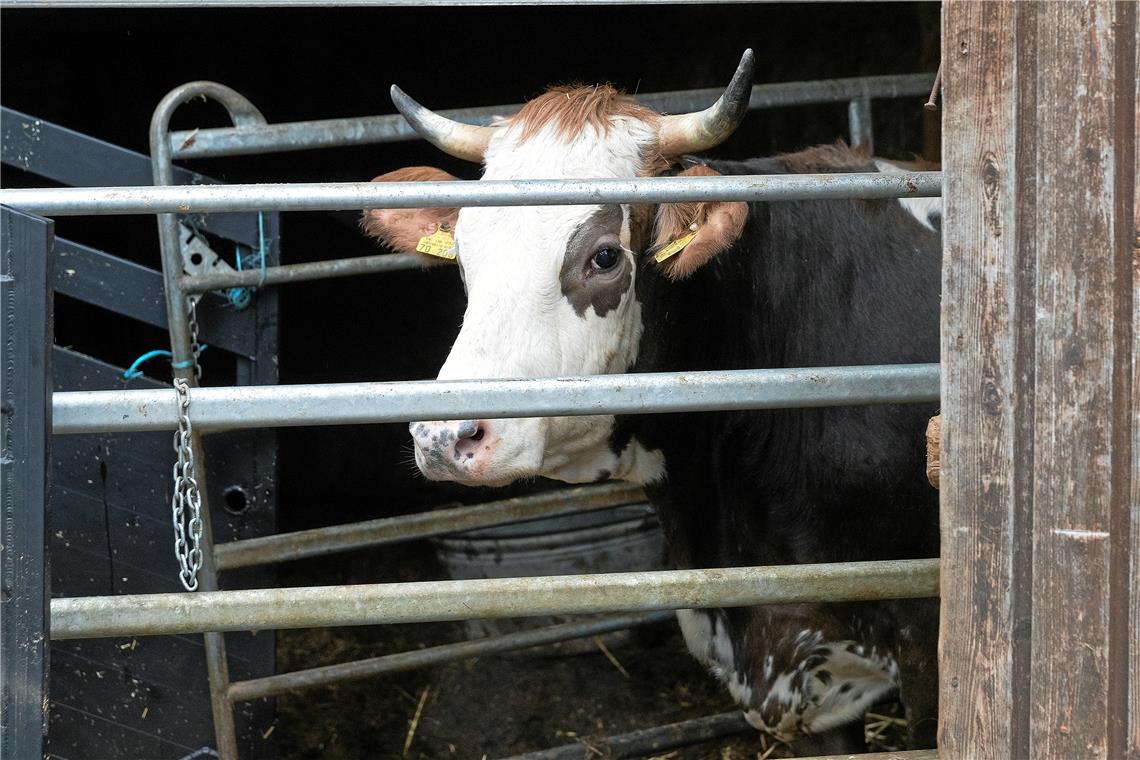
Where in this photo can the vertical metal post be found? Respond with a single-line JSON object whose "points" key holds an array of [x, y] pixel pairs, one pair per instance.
{"points": [[242, 113], [25, 439], [859, 124]]}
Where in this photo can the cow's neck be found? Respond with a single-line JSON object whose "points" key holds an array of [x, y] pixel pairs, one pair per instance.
{"points": [[707, 494]]}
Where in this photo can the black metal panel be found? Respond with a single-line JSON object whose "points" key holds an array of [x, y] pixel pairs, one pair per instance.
{"points": [[126, 288], [25, 281], [111, 525], [78, 160], [148, 696]]}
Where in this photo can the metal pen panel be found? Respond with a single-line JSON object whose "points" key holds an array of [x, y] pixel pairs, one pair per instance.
{"points": [[434, 601], [313, 270], [327, 196], [435, 522], [369, 403], [422, 658], [390, 128]]}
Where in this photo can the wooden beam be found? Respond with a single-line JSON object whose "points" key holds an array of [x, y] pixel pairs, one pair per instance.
{"points": [[1039, 420]]}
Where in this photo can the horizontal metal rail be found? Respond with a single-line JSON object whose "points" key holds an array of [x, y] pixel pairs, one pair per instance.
{"points": [[370, 403], [365, 130], [438, 522], [432, 601], [649, 741], [283, 683], [314, 270], [338, 196]]}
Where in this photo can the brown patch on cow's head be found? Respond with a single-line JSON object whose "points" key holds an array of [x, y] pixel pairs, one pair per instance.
{"points": [[569, 108], [718, 225], [401, 229]]}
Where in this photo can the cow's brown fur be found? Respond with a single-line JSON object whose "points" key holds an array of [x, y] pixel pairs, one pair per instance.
{"points": [[719, 224], [827, 158], [841, 156], [569, 108], [401, 229]]}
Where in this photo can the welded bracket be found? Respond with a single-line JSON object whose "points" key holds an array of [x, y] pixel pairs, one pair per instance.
{"points": [[197, 256]]}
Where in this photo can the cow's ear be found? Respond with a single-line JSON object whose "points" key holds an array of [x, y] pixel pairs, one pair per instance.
{"points": [[717, 226], [401, 229]]}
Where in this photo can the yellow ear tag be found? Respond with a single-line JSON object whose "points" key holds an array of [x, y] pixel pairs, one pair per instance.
{"points": [[440, 243], [674, 247]]}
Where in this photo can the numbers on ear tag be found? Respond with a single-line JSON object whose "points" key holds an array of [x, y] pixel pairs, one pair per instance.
{"points": [[674, 247], [440, 243]]}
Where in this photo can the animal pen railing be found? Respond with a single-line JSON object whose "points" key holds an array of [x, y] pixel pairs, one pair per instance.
{"points": [[211, 611], [1041, 418]]}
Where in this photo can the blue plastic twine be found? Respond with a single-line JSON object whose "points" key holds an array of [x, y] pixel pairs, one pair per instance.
{"points": [[241, 298], [133, 371]]}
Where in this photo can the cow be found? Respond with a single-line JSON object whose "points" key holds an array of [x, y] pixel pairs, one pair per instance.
{"points": [[578, 290]]}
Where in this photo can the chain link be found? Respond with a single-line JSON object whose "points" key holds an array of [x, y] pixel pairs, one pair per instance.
{"points": [[195, 346], [187, 534]]}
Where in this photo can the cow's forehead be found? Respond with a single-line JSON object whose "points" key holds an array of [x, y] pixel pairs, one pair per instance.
{"points": [[618, 152], [539, 238]]}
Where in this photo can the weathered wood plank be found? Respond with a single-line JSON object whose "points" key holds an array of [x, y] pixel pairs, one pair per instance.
{"points": [[1074, 364], [979, 404], [1129, 121], [1040, 414]]}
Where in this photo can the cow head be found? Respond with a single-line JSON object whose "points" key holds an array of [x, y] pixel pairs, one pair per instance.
{"points": [[551, 288]]}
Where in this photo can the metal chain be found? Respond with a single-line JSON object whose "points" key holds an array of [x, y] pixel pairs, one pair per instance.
{"points": [[187, 534], [195, 346]]}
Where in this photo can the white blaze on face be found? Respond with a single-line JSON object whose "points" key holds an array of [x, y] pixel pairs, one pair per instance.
{"points": [[540, 306]]}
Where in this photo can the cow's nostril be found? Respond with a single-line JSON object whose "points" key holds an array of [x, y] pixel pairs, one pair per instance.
{"points": [[469, 429], [478, 436]]}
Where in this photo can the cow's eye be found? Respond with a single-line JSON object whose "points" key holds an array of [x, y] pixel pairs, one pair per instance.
{"points": [[605, 258]]}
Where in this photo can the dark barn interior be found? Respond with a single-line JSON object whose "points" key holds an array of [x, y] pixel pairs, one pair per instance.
{"points": [[102, 73]]}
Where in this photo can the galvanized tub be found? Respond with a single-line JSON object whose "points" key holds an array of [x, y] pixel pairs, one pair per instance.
{"points": [[611, 540]]}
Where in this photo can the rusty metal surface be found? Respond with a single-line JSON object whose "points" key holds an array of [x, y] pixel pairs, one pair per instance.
{"points": [[437, 522], [315, 607]]}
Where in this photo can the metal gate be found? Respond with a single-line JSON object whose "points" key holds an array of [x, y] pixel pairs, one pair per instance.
{"points": [[210, 611]]}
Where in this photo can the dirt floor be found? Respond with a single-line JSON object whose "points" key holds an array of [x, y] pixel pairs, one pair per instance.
{"points": [[490, 707]]}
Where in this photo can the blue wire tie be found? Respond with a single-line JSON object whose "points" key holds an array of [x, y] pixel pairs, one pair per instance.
{"points": [[240, 298], [133, 371]]}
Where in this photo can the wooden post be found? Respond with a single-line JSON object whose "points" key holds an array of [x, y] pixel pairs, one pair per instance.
{"points": [[1040, 451]]}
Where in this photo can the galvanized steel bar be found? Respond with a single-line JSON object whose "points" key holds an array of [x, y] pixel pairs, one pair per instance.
{"points": [[422, 602], [183, 364], [906, 754], [269, 686], [204, 199], [860, 126], [649, 741], [333, 133], [437, 522], [315, 270], [368, 403], [66, 4]]}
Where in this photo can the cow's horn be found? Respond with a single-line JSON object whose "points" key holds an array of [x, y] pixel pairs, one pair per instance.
{"points": [[466, 141], [692, 132]]}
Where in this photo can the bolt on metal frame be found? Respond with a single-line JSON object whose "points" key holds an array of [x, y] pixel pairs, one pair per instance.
{"points": [[212, 611]]}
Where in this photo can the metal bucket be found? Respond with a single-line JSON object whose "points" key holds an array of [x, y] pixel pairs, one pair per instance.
{"points": [[610, 540]]}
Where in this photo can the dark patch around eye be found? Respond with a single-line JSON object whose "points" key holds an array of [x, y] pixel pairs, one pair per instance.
{"points": [[602, 290]]}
